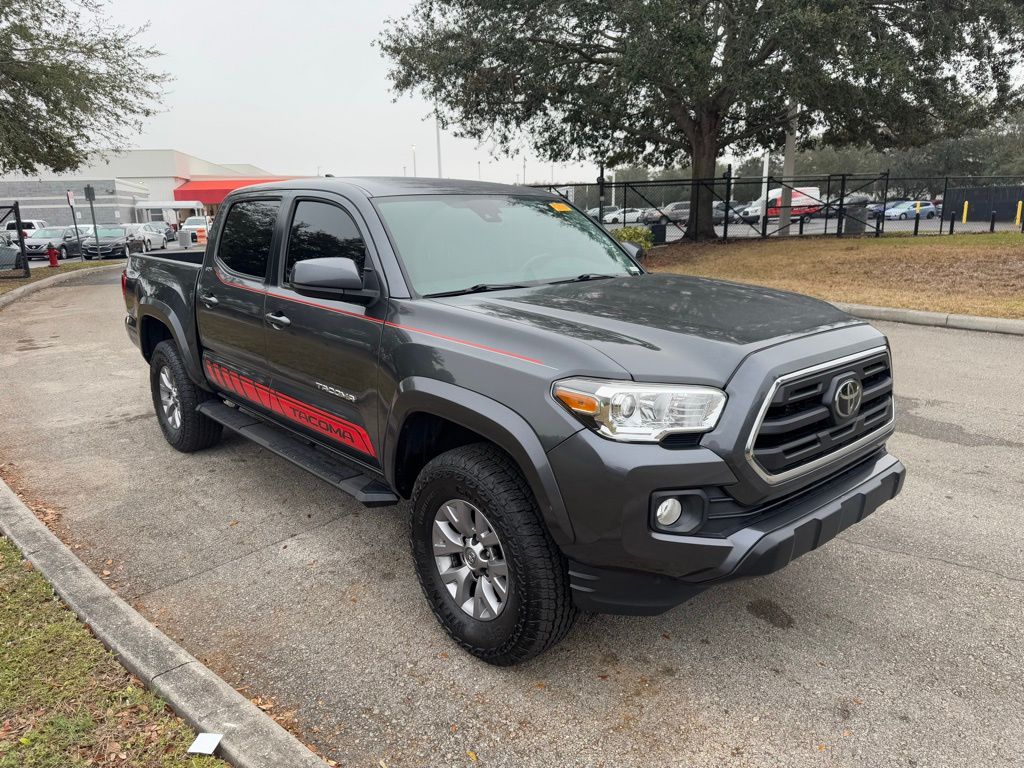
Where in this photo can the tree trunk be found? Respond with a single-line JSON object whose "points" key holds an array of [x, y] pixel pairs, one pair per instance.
{"points": [[702, 199]]}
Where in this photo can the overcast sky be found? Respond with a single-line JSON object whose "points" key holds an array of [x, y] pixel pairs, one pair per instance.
{"points": [[296, 86]]}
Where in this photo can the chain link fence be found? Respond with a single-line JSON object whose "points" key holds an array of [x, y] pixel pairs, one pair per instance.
{"points": [[13, 261], [837, 205]]}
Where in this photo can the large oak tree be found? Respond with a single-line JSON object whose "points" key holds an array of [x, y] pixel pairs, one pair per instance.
{"points": [[72, 83], [660, 82]]}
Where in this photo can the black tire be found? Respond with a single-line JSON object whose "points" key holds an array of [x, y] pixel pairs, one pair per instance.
{"points": [[903, 217], [87, 256], [539, 610], [195, 431], [62, 253]]}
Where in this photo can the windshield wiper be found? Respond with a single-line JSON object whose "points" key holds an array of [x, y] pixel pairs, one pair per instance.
{"points": [[584, 277], [478, 288]]}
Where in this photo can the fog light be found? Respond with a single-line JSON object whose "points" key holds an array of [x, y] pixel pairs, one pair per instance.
{"points": [[668, 512]]}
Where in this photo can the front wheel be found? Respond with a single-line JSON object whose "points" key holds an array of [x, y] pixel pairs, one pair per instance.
{"points": [[494, 578], [175, 399], [903, 217], [62, 253]]}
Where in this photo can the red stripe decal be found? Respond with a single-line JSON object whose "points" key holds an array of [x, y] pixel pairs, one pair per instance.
{"points": [[388, 323], [313, 418]]}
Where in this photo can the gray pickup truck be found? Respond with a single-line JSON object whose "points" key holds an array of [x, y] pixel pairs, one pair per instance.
{"points": [[574, 432]]}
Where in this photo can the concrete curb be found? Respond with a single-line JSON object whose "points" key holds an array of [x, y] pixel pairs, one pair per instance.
{"points": [[251, 737], [47, 282], [936, 319]]}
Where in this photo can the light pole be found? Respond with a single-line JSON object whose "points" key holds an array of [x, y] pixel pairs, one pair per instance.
{"points": [[413, 159], [437, 131], [479, 175]]}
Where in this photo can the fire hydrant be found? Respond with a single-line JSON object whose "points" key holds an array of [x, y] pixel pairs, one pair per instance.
{"points": [[52, 254]]}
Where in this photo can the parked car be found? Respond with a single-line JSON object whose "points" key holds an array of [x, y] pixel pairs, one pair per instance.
{"points": [[678, 212], [909, 209], [63, 238], [720, 210], [193, 224], [624, 216], [152, 234], [112, 240], [10, 254], [27, 225], [568, 441], [593, 212], [877, 210]]}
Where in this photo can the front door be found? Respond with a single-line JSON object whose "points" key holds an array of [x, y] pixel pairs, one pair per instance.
{"points": [[231, 292], [323, 352]]}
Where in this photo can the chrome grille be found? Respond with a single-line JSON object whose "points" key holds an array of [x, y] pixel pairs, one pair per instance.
{"points": [[799, 428]]}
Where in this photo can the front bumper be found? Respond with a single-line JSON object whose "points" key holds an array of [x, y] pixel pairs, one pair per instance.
{"points": [[628, 567]]}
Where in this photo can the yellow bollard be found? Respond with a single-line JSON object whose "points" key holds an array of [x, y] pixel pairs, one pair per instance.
{"points": [[917, 207], [1020, 210], [964, 219]]}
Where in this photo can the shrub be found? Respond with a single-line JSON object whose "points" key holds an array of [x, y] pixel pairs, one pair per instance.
{"points": [[637, 235]]}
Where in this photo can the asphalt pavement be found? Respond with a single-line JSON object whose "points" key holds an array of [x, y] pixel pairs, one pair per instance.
{"points": [[897, 644]]}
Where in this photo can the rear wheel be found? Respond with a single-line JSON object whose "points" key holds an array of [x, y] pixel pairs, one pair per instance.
{"points": [[494, 578], [62, 253], [175, 399]]}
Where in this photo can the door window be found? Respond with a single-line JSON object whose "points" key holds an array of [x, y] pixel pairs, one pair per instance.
{"points": [[321, 230], [244, 244]]}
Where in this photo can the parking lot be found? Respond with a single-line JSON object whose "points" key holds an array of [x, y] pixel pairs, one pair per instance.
{"points": [[898, 644]]}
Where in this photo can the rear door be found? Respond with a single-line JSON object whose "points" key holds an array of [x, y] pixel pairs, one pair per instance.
{"points": [[231, 294], [323, 352]]}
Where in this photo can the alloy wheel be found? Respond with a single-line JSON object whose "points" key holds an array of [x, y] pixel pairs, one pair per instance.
{"points": [[169, 399], [470, 559]]}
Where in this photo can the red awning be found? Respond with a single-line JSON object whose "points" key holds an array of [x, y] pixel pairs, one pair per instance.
{"points": [[213, 191]]}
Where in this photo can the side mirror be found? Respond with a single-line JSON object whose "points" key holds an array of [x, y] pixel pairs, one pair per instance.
{"points": [[634, 250], [326, 277]]}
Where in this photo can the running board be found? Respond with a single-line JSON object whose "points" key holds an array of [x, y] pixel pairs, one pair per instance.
{"points": [[342, 476]]}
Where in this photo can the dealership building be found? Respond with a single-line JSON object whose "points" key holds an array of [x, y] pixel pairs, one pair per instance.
{"points": [[132, 186]]}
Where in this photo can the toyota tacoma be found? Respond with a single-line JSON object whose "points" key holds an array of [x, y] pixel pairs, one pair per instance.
{"points": [[573, 432]]}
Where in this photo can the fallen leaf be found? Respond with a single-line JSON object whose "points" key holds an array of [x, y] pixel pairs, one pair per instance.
{"points": [[602, 677], [454, 728], [106, 572], [472, 755], [233, 523], [540, 686], [110, 562], [666, 635]]}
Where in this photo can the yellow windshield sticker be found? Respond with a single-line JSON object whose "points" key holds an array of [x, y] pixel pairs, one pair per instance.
{"points": [[560, 207]]}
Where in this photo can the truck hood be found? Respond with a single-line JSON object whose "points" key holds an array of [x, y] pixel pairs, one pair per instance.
{"points": [[663, 327]]}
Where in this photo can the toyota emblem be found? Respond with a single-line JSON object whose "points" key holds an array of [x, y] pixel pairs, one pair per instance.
{"points": [[846, 402]]}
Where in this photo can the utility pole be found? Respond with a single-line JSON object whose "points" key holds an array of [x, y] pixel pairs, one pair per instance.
{"points": [[479, 176], [90, 195], [788, 171], [74, 221], [414, 160], [524, 169], [437, 131]]}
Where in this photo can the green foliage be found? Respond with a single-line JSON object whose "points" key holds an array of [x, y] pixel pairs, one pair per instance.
{"points": [[656, 82], [637, 235], [72, 83]]}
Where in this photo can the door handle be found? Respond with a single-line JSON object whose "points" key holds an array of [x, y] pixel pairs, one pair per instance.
{"points": [[277, 320], [209, 299]]}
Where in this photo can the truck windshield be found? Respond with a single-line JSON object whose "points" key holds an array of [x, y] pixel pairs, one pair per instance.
{"points": [[456, 242]]}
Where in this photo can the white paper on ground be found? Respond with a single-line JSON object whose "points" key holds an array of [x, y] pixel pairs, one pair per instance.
{"points": [[205, 743]]}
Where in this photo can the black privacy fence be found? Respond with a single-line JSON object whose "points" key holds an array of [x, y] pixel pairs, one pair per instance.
{"points": [[837, 205], [13, 261]]}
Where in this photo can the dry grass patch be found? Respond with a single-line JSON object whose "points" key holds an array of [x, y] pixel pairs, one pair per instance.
{"points": [[962, 274], [40, 270]]}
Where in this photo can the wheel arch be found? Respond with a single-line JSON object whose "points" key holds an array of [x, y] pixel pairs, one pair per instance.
{"points": [[157, 322], [428, 417]]}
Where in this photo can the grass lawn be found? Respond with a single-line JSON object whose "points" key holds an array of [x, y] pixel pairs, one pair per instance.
{"points": [[64, 700], [40, 269], [963, 274]]}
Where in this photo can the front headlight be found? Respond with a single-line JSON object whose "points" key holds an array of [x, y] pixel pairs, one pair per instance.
{"points": [[640, 413]]}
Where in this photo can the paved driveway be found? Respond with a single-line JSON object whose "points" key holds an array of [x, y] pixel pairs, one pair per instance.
{"points": [[898, 644]]}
